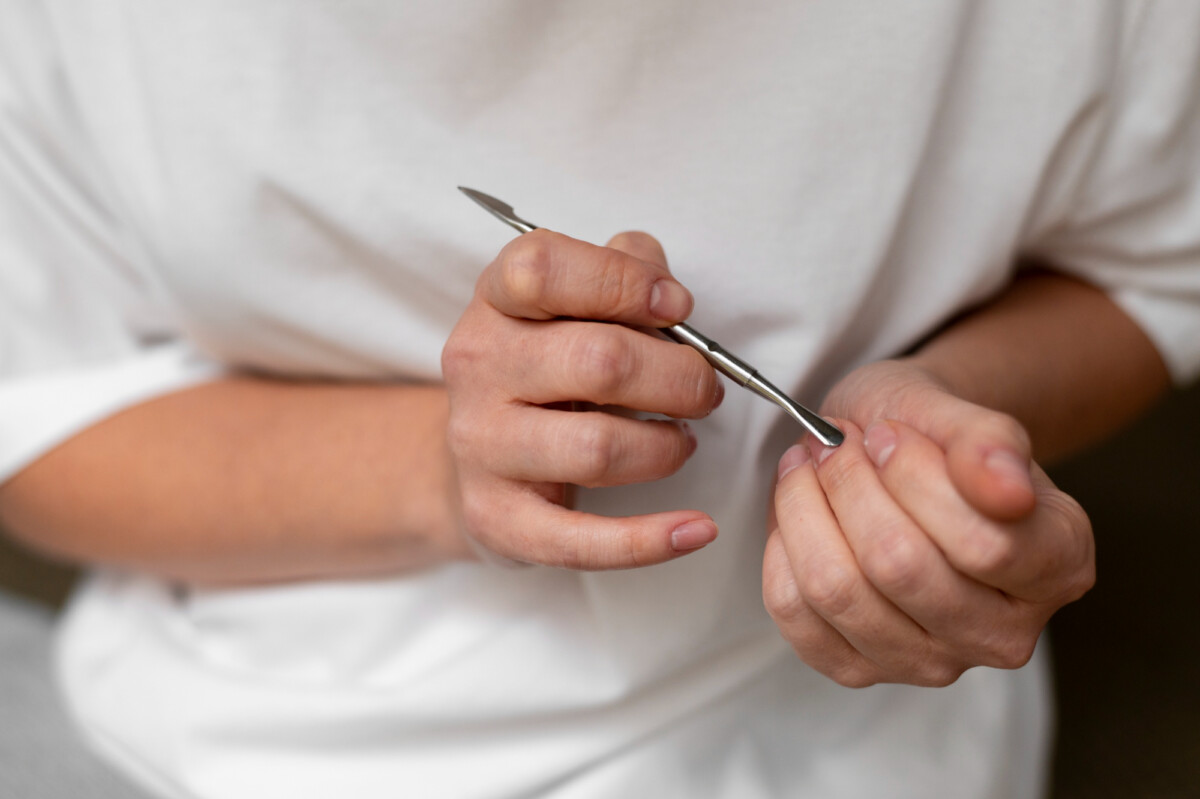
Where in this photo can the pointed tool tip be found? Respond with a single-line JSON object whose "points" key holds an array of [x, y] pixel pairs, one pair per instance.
{"points": [[499, 209], [487, 201]]}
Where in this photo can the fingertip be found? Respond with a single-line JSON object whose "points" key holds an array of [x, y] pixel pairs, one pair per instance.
{"points": [[1013, 483], [1008, 467], [639, 541], [879, 440], [996, 481], [693, 535], [670, 302], [821, 452], [796, 456]]}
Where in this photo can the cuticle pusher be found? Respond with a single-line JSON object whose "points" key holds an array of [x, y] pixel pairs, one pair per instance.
{"points": [[722, 360]]}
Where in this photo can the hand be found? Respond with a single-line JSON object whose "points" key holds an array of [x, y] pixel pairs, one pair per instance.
{"points": [[537, 337], [928, 545]]}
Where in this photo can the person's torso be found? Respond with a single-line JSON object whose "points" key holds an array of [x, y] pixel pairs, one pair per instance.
{"points": [[832, 181]]}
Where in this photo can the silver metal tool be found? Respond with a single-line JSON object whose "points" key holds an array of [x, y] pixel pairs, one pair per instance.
{"points": [[722, 360]]}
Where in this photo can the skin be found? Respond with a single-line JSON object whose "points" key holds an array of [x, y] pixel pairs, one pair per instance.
{"points": [[407, 477], [224, 485], [514, 455], [929, 544]]}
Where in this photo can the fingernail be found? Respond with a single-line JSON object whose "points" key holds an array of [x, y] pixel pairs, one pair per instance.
{"points": [[880, 442], [693, 442], [821, 452], [720, 394], [670, 301], [796, 456], [693, 535], [1009, 466]]}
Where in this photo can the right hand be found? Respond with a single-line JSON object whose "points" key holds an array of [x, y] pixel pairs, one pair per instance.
{"points": [[536, 337]]}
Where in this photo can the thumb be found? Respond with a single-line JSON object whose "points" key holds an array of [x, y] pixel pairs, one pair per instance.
{"points": [[987, 454]]}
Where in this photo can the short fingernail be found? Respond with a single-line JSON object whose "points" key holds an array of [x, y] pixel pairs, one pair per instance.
{"points": [[796, 456], [670, 301], [1008, 466], [880, 442], [693, 535]]}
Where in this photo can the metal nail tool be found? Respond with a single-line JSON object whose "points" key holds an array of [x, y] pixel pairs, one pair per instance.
{"points": [[722, 360]]}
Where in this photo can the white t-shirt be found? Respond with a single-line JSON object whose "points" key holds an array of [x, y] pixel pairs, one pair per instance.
{"points": [[270, 185]]}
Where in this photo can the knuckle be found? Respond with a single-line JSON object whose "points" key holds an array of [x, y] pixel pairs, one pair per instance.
{"points": [[1084, 581], [476, 515], [603, 362], [988, 551], [892, 562], [524, 269], [598, 450], [810, 643], [1009, 649], [459, 358], [939, 673], [782, 599], [853, 674], [1015, 652], [461, 433], [829, 588]]}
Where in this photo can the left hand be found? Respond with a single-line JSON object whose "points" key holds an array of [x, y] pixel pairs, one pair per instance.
{"points": [[925, 546]]}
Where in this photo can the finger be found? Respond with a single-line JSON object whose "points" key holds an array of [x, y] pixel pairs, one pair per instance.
{"points": [[588, 448], [815, 640], [830, 579], [1060, 517], [988, 452], [493, 355], [542, 275], [610, 365], [971, 621], [518, 523], [639, 245], [989, 462], [1046, 554]]}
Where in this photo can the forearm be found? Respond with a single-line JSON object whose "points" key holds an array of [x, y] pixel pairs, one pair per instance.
{"points": [[1056, 354], [249, 480]]}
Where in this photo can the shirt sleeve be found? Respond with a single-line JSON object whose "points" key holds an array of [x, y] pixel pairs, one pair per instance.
{"points": [[84, 331], [1128, 203]]}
